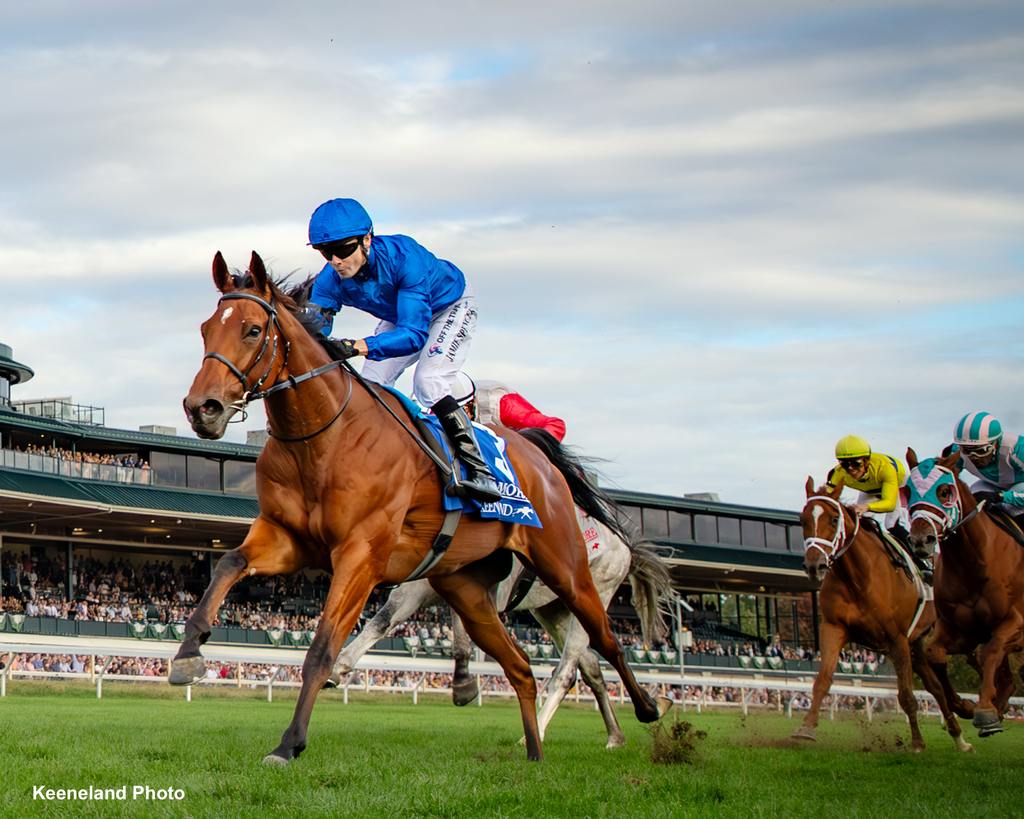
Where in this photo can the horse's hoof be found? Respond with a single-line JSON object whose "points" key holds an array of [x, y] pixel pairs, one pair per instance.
{"points": [[615, 742], [664, 705], [187, 670], [987, 721], [917, 748], [963, 745], [804, 732], [465, 693], [274, 759]]}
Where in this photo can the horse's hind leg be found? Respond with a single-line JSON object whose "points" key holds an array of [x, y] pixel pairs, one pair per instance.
{"points": [[566, 573], [266, 550], [833, 638], [403, 602], [574, 647], [468, 593], [464, 686]]}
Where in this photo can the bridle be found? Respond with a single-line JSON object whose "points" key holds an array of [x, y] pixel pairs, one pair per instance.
{"points": [[254, 393], [832, 549], [940, 518]]}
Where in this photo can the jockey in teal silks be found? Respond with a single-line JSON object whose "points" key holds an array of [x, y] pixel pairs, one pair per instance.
{"points": [[427, 317], [997, 458]]}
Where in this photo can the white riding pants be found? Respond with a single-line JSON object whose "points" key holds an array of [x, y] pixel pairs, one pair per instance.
{"points": [[440, 360]]}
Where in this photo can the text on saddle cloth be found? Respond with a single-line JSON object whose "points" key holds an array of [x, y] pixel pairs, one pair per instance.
{"points": [[514, 506]]}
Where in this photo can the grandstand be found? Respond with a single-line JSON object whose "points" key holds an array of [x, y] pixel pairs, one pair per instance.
{"points": [[113, 533]]}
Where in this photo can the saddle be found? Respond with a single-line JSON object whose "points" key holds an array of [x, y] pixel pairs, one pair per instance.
{"points": [[1005, 521], [894, 549]]}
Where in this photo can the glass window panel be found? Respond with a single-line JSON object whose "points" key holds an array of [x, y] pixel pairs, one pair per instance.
{"points": [[168, 469], [775, 536], [729, 531], [655, 522], [680, 525], [796, 539], [240, 477], [203, 473], [631, 515], [752, 532], [706, 528]]}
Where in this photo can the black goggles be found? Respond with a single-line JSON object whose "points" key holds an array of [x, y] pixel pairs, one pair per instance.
{"points": [[342, 249], [850, 463]]}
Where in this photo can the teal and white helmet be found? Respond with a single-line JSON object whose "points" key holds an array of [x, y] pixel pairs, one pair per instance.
{"points": [[977, 429]]}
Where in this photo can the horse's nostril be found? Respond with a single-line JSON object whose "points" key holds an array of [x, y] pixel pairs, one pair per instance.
{"points": [[211, 408]]}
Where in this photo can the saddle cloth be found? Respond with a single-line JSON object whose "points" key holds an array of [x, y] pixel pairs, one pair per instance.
{"points": [[514, 506]]}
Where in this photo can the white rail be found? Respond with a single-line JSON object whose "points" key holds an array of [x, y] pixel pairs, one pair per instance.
{"points": [[102, 650]]}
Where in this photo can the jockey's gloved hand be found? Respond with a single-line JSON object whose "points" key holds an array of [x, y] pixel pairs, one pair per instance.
{"points": [[346, 347]]}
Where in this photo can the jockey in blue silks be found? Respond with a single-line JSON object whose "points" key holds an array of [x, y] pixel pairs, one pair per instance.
{"points": [[997, 458], [427, 317]]}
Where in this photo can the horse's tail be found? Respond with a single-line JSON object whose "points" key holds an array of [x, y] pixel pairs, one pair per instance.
{"points": [[585, 494], [649, 576], [652, 589]]}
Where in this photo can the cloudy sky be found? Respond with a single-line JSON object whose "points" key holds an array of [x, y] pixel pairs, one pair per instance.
{"points": [[714, 237]]}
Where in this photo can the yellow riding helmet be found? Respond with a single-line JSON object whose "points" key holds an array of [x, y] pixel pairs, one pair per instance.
{"points": [[852, 446]]}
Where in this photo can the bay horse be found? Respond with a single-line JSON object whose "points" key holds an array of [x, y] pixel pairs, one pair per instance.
{"points": [[344, 487], [615, 558], [865, 599], [979, 585]]}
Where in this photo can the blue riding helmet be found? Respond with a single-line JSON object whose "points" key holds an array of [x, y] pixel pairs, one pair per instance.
{"points": [[338, 219]]}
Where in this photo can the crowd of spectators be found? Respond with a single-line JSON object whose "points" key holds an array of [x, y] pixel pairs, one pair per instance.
{"points": [[129, 460], [165, 591]]}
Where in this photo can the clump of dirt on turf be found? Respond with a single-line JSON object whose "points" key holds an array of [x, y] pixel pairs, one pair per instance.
{"points": [[679, 743], [875, 738]]}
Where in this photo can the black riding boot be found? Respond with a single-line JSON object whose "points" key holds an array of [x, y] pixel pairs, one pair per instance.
{"points": [[479, 483]]}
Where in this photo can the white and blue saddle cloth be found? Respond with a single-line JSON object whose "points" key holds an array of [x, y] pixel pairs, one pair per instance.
{"points": [[514, 506]]}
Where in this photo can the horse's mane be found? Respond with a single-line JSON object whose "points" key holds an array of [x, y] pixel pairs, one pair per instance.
{"points": [[294, 298]]}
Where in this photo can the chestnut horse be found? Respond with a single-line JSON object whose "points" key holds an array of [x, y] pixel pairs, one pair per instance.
{"points": [[865, 599], [343, 487], [979, 585]]}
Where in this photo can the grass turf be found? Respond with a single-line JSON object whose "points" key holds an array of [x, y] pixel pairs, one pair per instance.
{"points": [[382, 756]]}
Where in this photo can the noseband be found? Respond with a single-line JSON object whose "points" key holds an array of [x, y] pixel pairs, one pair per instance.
{"points": [[255, 393], [832, 549]]}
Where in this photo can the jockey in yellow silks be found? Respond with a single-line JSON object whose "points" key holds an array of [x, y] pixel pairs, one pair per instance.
{"points": [[879, 479]]}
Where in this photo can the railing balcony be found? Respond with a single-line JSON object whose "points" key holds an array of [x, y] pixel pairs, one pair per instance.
{"points": [[114, 473], [62, 411]]}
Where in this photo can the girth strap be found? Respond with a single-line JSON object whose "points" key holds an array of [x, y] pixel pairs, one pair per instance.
{"points": [[439, 547]]}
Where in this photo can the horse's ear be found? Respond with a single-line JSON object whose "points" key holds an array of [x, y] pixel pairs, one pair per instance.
{"points": [[258, 271], [912, 459], [809, 486], [222, 278], [951, 460]]}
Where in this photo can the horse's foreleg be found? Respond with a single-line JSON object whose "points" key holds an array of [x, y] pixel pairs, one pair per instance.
{"points": [[993, 654], [403, 602], [464, 685], [899, 653], [470, 597], [266, 550], [934, 687], [351, 584], [833, 638]]}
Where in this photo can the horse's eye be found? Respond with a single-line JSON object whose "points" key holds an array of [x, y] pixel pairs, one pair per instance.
{"points": [[254, 331]]}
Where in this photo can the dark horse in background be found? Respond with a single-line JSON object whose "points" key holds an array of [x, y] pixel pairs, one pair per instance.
{"points": [[979, 585], [344, 488], [866, 599]]}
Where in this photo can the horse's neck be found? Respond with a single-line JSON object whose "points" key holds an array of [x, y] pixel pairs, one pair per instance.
{"points": [[971, 545], [857, 564]]}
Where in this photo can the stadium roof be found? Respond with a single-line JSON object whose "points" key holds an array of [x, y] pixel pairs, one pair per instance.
{"points": [[710, 507], [149, 440]]}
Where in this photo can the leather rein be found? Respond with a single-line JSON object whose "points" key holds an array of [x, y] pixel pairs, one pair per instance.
{"points": [[255, 393]]}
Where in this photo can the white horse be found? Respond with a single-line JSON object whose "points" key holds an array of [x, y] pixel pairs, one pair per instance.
{"points": [[612, 558]]}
